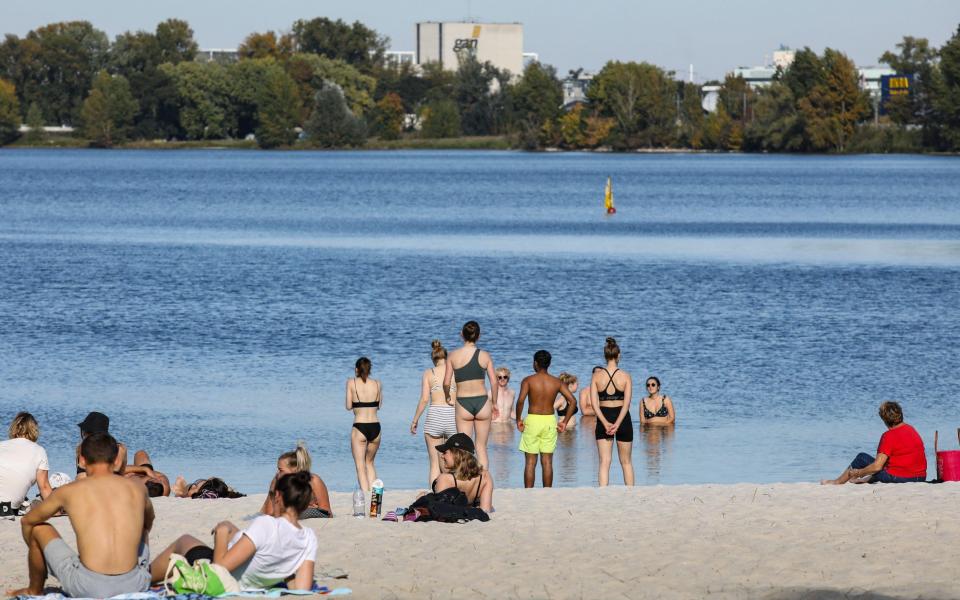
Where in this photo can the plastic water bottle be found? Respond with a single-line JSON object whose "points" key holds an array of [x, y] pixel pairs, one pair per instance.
{"points": [[376, 498], [359, 505]]}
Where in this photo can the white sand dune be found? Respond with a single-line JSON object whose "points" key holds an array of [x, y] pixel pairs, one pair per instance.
{"points": [[781, 541]]}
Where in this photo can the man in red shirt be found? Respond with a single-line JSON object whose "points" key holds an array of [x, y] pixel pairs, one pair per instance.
{"points": [[900, 455]]}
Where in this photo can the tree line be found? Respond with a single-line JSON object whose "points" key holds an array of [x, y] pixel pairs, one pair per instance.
{"points": [[326, 83]]}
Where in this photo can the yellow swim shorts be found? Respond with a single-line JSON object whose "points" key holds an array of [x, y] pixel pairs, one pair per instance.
{"points": [[539, 434]]}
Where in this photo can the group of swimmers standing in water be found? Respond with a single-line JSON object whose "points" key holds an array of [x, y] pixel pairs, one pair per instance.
{"points": [[457, 400]]}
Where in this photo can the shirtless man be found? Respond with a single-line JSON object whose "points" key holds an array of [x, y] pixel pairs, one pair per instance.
{"points": [[540, 427], [111, 516]]}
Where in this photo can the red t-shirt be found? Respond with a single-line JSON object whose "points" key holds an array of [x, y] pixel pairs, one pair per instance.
{"points": [[904, 448]]}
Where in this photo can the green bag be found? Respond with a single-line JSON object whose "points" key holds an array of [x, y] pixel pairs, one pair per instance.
{"points": [[202, 577]]}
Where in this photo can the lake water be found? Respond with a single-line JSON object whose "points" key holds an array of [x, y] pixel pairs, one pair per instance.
{"points": [[213, 303]]}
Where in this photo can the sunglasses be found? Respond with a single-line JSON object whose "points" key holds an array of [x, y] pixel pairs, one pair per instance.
{"points": [[503, 377], [651, 384]]}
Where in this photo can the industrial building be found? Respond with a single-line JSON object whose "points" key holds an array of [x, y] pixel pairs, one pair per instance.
{"points": [[501, 44]]}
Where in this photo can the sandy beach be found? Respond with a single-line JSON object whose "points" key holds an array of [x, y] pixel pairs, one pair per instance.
{"points": [[781, 541]]}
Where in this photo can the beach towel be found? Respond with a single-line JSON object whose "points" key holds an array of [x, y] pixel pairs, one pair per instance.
{"points": [[158, 594]]}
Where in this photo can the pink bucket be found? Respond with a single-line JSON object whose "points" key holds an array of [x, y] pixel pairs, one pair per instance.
{"points": [[948, 461]]}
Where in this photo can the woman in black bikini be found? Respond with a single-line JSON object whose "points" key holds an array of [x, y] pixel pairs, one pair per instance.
{"points": [[613, 391], [364, 398], [475, 407], [656, 408], [461, 470]]}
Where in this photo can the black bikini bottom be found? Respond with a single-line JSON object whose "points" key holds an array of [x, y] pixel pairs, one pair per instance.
{"points": [[370, 431]]}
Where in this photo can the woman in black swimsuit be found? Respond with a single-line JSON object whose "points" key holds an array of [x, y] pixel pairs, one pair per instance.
{"points": [[656, 408], [461, 470], [364, 398], [613, 391]]}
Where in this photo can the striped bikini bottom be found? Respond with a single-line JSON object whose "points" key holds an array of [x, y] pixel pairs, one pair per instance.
{"points": [[441, 421]]}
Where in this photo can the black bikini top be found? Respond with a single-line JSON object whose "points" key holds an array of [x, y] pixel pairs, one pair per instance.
{"points": [[476, 498], [617, 394], [661, 412], [358, 404]]}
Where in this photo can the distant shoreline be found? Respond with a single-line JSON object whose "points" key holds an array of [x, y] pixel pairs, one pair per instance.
{"points": [[461, 143]]}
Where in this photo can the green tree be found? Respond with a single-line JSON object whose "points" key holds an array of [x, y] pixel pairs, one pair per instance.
{"points": [[804, 73], [176, 42], [109, 110], [692, 119], [9, 113], [440, 119], [389, 117], [355, 44], [777, 126], [35, 122], [640, 97], [138, 56], [537, 104], [278, 110], [204, 99], [266, 45], [946, 98], [737, 98], [313, 73], [54, 66], [406, 82], [477, 91], [332, 124], [833, 107]]}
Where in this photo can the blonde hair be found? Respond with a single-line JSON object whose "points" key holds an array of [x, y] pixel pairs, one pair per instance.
{"points": [[299, 459], [438, 353], [465, 465], [24, 426], [567, 378], [503, 371]]}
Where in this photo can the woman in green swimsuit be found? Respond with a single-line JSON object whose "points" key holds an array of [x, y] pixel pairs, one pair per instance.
{"points": [[475, 406]]}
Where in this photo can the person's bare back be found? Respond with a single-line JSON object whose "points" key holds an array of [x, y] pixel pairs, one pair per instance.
{"points": [[107, 513], [542, 389]]}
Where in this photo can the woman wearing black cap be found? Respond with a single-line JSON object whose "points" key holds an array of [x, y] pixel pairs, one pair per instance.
{"points": [[463, 472], [97, 422]]}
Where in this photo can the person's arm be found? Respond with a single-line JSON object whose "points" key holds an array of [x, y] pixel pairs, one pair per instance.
{"points": [[627, 399], [140, 470], [424, 397], [524, 390], [443, 481], [379, 394], [267, 507], [349, 397], [486, 493], [494, 387], [320, 493], [303, 578], [447, 379], [120, 466], [240, 553], [43, 483], [643, 414], [571, 403], [875, 467], [148, 515], [42, 512], [671, 415], [595, 402]]}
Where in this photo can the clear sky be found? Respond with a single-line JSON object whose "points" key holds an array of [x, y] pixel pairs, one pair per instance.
{"points": [[714, 35]]}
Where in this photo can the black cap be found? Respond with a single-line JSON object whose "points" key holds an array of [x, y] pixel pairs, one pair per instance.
{"points": [[458, 440], [95, 423]]}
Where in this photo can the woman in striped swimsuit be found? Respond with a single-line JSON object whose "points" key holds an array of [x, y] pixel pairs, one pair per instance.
{"points": [[441, 420]]}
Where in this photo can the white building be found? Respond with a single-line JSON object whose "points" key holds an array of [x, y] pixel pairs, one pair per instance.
{"points": [[499, 43], [762, 76]]}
